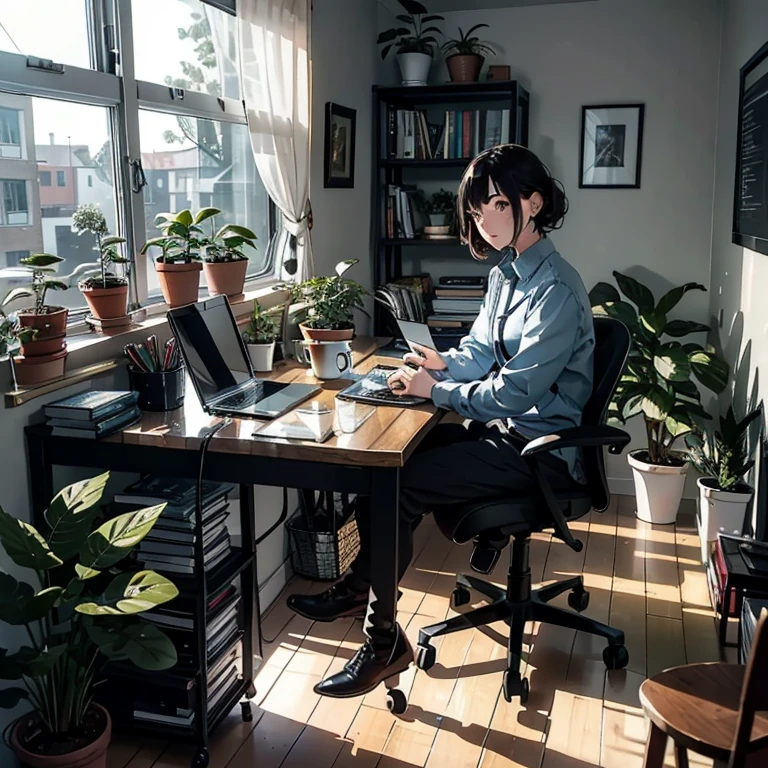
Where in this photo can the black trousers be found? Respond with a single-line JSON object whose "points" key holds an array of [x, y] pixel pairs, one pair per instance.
{"points": [[455, 463]]}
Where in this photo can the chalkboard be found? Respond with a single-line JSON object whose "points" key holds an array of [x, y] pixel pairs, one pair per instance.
{"points": [[750, 207]]}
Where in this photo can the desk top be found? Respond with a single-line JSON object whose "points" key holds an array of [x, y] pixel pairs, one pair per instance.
{"points": [[386, 439]]}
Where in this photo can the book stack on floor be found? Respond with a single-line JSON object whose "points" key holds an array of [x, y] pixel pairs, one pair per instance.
{"points": [[92, 414], [456, 304]]}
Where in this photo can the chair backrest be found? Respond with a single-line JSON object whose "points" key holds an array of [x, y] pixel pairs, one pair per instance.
{"points": [[754, 693], [612, 341]]}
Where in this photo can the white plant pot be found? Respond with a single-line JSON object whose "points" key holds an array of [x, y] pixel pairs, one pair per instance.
{"points": [[658, 490], [414, 67], [262, 356], [438, 219], [720, 510]]}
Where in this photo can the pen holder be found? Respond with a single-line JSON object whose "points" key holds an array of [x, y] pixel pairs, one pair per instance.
{"points": [[158, 390]]}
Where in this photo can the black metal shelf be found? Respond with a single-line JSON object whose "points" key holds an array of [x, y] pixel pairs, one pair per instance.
{"points": [[418, 241], [448, 93], [439, 162]]}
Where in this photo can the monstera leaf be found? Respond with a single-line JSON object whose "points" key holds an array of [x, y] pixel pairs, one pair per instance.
{"points": [[131, 593], [24, 545]]}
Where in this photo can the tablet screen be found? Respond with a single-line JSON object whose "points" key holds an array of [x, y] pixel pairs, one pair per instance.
{"points": [[417, 333]]}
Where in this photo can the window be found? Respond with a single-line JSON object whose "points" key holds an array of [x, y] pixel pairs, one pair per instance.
{"points": [[15, 211], [10, 133], [45, 178], [13, 258], [52, 29], [192, 46], [61, 180], [197, 163]]}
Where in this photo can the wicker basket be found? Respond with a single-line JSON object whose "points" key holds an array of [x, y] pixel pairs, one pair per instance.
{"points": [[319, 553]]}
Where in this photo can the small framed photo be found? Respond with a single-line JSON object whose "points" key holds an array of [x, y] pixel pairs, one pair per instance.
{"points": [[611, 146], [339, 146], [499, 72]]}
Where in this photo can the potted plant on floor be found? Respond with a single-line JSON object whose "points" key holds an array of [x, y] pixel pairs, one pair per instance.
{"points": [[413, 42], [657, 383], [43, 357], [722, 457], [83, 612], [105, 291], [224, 260], [440, 206], [464, 56], [330, 302], [260, 337], [178, 265]]}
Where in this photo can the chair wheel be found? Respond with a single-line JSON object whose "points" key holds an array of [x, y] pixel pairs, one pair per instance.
{"points": [[396, 701], [615, 656], [200, 760], [514, 685], [425, 657], [578, 599], [460, 596]]}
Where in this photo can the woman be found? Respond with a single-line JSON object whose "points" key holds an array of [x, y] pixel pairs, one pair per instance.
{"points": [[524, 370]]}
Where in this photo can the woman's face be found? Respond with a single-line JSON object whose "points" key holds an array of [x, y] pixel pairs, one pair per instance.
{"points": [[495, 220]]}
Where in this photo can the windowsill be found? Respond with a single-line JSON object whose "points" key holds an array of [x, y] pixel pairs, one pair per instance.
{"points": [[93, 353]]}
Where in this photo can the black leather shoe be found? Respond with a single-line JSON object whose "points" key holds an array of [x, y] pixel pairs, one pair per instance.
{"points": [[367, 668], [338, 602]]}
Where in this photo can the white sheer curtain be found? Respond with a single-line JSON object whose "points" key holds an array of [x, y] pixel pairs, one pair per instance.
{"points": [[275, 62]]}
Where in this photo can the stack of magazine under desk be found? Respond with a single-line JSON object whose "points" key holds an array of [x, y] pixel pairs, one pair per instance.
{"points": [[168, 701]]}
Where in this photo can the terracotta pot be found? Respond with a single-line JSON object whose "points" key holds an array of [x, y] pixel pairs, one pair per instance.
{"points": [[92, 756], [32, 371], [48, 324], [106, 303], [49, 346], [464, 68], [180, 283], [226, 277], [324, 334]]}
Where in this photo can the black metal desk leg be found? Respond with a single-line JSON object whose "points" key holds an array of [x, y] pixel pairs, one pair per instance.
{"points": [[40, 475], [384, 511]]}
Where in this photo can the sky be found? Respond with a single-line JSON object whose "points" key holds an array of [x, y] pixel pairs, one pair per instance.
{"points": [[56, 29]]}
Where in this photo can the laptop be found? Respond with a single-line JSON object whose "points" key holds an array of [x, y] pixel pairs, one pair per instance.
{"points": [[218, 364]]}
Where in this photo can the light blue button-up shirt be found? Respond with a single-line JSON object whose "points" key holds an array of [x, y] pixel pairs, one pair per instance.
{"points": [[528, 358]]}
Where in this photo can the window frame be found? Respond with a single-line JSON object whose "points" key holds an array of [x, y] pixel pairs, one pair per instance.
{"points": [[111, 83]]}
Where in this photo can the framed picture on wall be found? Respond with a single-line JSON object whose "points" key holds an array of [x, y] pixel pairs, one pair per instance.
{"points": [[339, 145], [611, 146]]}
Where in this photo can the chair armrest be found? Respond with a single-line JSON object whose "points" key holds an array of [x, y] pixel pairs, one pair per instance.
{"points": [[586, 436]]}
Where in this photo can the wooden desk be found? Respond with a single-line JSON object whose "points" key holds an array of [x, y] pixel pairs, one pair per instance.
{"points": [[366, 462]]}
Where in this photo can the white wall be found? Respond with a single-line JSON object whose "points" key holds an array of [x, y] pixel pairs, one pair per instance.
{"points": [[739, 276], [343, 71], [661, 53]]}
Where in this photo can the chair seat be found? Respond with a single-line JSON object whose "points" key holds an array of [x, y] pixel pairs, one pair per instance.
{"points": [[509, 514], [698, 706]]}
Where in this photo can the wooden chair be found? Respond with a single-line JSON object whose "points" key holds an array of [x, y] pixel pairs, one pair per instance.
{"points": [[713, 709]]}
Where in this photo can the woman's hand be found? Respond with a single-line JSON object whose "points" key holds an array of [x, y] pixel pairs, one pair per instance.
{"points": [[406, 381], [429, 358]]}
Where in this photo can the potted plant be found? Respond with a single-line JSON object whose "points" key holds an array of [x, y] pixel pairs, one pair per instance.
{"points": [[657, 383], [413, 42], [464, 56], [105, 292], [330, 302], [260, 337], [83, 612], [43, 357], [224, 261], [12, 334], [440, 207], [178, 265], [722, 457]]}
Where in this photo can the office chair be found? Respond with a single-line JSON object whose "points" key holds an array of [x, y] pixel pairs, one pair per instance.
{"points": [[492, 522]]}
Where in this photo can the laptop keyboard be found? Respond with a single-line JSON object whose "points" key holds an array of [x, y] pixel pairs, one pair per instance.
{"points": [[241, 399]]}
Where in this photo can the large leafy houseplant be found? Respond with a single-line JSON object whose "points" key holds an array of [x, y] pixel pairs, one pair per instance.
{"points": [[81, 610], [415, 37], [331, 300], [658, 380]]}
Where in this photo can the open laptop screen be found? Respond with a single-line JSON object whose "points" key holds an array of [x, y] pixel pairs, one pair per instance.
{"points": [[211, 346]]}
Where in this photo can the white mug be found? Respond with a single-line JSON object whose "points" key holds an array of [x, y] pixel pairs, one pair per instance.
{"points": [[329, 359]]}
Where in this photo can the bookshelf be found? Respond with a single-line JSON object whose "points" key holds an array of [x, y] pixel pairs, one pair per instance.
{"points": [[440, 128]]}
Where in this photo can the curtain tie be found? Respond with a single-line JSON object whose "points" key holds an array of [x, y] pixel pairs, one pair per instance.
{"points": [[296, 227]]}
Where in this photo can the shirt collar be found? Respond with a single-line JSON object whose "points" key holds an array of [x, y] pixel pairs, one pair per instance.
{"points": [[525, 264]]}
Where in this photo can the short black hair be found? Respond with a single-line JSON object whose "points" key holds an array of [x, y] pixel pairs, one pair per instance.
{"points": [[516, 173]]}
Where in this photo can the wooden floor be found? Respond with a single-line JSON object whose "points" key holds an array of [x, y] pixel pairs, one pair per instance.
{"points": [[644, 579]]}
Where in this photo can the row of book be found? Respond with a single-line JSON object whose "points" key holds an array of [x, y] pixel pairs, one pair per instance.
{"points": [[92, 414], [404, 216], [457, 134]]}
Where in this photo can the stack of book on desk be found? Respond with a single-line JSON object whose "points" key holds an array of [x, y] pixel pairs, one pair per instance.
{"points": [[92, 414], [170, 545]]}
